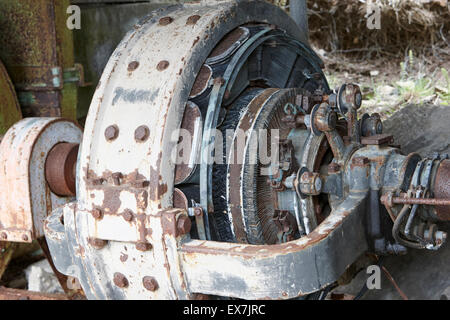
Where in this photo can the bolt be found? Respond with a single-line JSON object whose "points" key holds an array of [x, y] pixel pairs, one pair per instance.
{"points": [[97, 243], [150, 283], [141, 133], [3, 236], [24, 237], [133, 66], [360, 161], [128, 215], [111, 133], [117, 176], [183, 225], [143, 246], [97, 213], [162, 65], [310, 183], [120, 280], [164, 21], [333, 168]]}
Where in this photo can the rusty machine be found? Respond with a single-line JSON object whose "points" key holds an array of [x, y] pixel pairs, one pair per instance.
{"points": [[216, 160]]}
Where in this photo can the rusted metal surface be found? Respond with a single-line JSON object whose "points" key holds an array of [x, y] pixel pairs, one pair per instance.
{"points": [[16, 294], [10, 111], [37, 47], [60, 168], [424, 201], [264, 271], [155, 99], [378, 139], [25, 198], [442, 189]]}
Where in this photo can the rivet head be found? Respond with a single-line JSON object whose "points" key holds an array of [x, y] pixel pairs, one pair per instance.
{"points": [[133, 65], [112, 132], [183, 225], [3, 236], [120, 280], [97, 213], [162, 65], [141, 133], [150, 283], [24, 237], [192, 19], [164, 21]]}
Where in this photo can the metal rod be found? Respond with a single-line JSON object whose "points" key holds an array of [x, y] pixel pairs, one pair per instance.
{"points": [[429, 201]]}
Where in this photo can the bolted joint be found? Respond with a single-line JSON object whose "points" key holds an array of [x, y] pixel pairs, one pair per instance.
{"points": [[349, 97], [183, 225], [324, 119], [310, 183], [371, 125], [150, 283]]}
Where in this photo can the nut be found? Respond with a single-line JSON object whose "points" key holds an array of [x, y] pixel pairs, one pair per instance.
{"points": [[97, 243], [333, 168], [3, 236], [310, 183], [97, 213], [143, 246], [24, 237], [360, 161], [120, 280], [183, 225], [150, 283], [112, 132], [141, 133], [128, 215]]}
